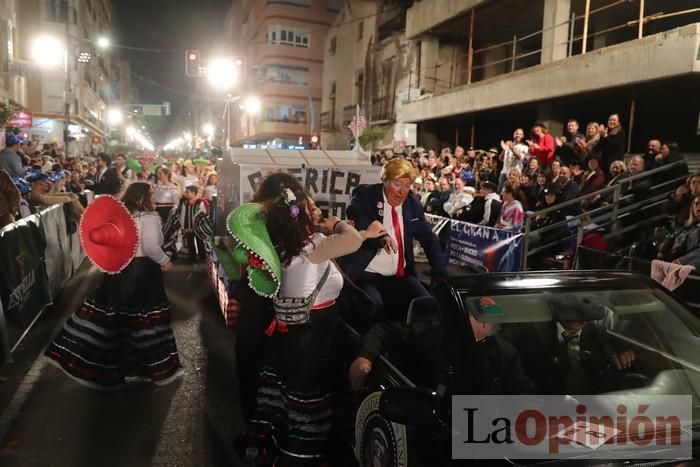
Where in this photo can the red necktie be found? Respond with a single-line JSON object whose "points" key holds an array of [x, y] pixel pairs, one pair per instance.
{"points": [[399, 240]]}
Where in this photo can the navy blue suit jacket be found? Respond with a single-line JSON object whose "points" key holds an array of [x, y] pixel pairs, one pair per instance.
{"points": [[363, 210]]}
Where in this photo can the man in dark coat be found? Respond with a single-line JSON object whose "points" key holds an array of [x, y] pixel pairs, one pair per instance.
{"points": [[385, 267], [420, 348], [106, 180], [571, 354]]}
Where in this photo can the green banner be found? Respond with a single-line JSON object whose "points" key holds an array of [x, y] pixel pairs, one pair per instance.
{"points": [[24, 286]]}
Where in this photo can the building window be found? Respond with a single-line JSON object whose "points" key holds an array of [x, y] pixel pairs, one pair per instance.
{"points": [[333, 45], [287, 35], [335, 5], [284, 74], [284, 113], [360, 29], [57, 11]]}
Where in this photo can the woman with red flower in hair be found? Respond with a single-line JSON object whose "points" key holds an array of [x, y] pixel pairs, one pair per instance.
{"points": [[292, 418]]}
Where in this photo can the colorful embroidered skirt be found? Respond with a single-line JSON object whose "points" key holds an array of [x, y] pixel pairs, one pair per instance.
{"points": [[293, 414], [121, 330]]}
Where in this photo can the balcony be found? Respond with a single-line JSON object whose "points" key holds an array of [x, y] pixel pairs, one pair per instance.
{"points": [[383, 110]]}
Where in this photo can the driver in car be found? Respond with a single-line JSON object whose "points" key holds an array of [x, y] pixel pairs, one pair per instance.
{"points": [[499, 363], [571, 354]]}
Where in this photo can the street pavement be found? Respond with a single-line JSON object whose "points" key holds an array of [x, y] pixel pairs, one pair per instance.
{"points": [[46, 419]]}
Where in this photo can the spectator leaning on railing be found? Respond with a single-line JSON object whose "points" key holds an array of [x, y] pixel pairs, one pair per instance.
{"points": [[670, 153], [512, 213], [683, 245]]}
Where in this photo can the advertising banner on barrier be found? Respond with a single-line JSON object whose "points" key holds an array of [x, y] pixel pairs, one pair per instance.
{"points": [[24, 288], [497, 250], [59, 264], [76, 251]]}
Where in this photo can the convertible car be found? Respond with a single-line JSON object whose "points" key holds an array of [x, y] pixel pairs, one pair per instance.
{"points": [[635, 339]]}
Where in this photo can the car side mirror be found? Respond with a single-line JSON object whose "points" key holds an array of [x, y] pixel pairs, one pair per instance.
{"points": [[410, 406]]}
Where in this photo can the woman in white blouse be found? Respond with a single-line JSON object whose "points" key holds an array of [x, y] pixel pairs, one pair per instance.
{"points": [[294, 394], [121, 333], [189, 175], [167, 193]]}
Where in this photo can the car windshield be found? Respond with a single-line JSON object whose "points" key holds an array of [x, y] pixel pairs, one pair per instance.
{"points": [[644, 329]]}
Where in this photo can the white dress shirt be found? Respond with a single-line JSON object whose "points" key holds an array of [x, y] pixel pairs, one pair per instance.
{"points": [[386, 263], [101, 174]]}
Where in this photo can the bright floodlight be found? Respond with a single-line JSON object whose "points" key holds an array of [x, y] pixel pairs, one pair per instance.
{"points": [[48, 51], [252, 105], [115, 116], [222, 73], [103, 42], [208, 129]]}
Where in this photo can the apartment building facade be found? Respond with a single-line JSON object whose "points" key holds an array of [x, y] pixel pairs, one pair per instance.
{"points": [[282, 43], [99, 81], [368, 63]]}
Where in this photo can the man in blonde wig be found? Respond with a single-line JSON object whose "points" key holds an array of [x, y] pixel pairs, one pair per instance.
{"points": [[385, 268]]}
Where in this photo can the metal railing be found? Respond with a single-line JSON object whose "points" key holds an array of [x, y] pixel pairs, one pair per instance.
{"points": [[519, 52], [605, 217]]}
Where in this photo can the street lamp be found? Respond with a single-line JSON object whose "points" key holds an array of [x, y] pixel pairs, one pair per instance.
{"points": [[115, 116], [223, 73], [48, 51], [103, 42], [252, 105]]}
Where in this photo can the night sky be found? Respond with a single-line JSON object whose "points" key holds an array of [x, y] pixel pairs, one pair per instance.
{"points": [[171, 26]]}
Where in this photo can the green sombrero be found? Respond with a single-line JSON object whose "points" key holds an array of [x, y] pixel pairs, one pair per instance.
{"points": [[255, 249], [200, 161], [134, 165]]}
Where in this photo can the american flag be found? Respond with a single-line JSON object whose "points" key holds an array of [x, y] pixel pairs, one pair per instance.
{"points": [[358, 124]]}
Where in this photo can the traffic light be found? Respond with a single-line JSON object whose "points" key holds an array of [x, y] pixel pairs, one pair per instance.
{"points": [[193, 66], [314, 141]]}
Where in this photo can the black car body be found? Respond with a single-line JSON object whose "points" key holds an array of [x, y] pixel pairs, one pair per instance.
{"points": [[401, 423]]}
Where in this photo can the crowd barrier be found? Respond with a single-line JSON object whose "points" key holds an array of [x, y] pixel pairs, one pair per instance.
{"points": [[38, 255], [468, 244]]}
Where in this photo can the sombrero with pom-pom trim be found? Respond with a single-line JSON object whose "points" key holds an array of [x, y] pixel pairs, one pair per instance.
{"points": [[109, 234], [247, 225]]}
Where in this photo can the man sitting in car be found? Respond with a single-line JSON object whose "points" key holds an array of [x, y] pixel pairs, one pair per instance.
{"points": [[423, 344], [570, 354]]}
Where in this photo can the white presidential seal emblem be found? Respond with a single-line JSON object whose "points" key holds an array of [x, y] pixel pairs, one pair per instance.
{"points": [[378, 442]]}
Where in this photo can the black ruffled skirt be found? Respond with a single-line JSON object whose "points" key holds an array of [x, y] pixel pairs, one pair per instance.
{"points": [[121, 330]]}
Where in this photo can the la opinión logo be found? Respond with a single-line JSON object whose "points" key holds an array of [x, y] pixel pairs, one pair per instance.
{"points": [[494, 427]]}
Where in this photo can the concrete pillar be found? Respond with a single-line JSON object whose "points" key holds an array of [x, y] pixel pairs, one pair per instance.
{"points": [[429, 49], [546, 116], [555, 38]]}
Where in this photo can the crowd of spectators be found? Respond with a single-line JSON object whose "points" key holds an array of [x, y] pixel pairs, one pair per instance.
{"points": [[34, 177], [537, 170]]}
